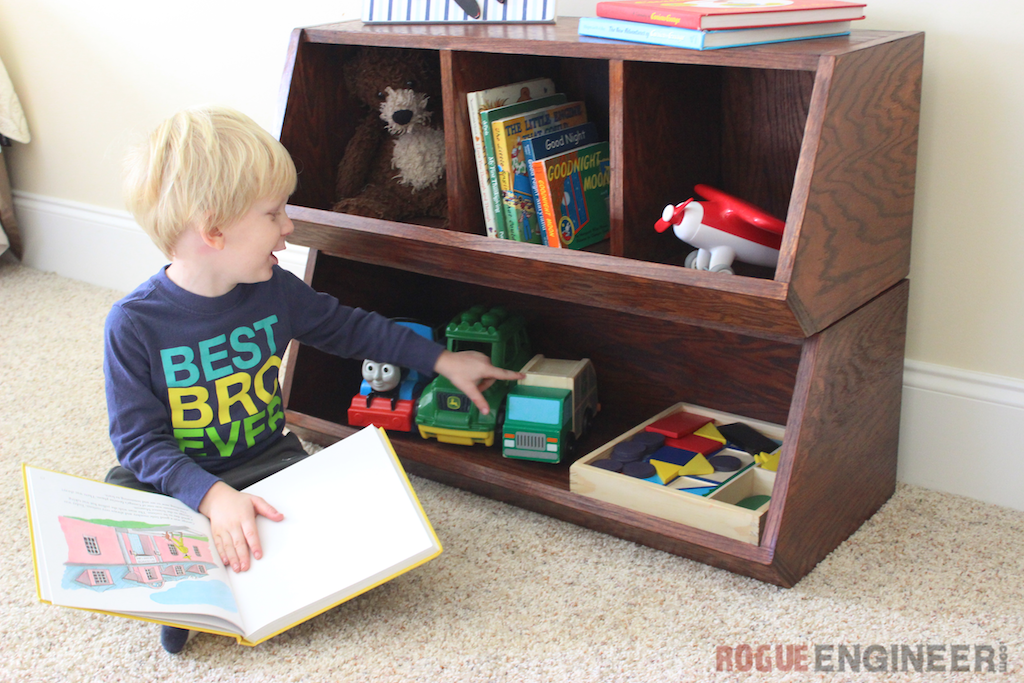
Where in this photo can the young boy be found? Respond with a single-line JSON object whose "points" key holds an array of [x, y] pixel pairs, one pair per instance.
{"points": [[192, 355]]}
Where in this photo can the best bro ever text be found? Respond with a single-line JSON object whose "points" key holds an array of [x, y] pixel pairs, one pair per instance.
{"points": [[226, 362]]}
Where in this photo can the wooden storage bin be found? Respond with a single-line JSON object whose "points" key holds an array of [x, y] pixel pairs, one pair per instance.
{"points": [[786, 126], [838, 393], [716, 513], [821, 132]]}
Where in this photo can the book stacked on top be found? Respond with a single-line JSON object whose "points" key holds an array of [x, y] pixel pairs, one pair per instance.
{"points": [[544, 174], [713, 24]]}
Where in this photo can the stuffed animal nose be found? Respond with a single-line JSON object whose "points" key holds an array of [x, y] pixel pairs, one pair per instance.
{"points": [[402, 116]]}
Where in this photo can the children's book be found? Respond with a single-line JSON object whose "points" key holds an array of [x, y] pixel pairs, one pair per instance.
{"points": [[351, 522], [493, 98], [458, 11], [513, 179], [727, 14], [544, 146], [690, 39], [572, 190], [486, 117]]}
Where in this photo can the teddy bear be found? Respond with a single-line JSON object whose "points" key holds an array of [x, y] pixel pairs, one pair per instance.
{"points": [[394, 165]]}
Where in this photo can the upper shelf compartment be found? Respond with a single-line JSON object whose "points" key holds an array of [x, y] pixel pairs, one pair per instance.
{"points": [[821, 133]]}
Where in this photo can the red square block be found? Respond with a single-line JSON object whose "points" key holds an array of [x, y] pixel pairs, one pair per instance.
{"points": [[678, 425], [697, 444]]}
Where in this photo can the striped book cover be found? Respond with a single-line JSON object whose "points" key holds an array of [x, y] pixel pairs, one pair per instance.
{"points": [[458, 11]]}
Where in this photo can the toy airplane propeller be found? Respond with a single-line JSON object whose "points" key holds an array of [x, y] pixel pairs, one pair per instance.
{"points": [[723, 228]]}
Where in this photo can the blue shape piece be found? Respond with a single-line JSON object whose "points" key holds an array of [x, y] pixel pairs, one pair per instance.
{"points": [[652, 441], [656, 479], [676, 456], [725, 463], [639, 469], [700, 491], [743, 437], [628, 451]]}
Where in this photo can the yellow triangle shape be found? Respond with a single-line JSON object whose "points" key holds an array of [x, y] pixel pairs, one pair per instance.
{"points": [[697, 466], [769, 461], [710, 431], [666, 470]]}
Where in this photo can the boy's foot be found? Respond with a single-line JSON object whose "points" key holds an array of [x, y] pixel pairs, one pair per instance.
{"points": [[174, 639]]}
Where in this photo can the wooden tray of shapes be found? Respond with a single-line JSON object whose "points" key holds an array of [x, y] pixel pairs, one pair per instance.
{"points": [[717, 512]]}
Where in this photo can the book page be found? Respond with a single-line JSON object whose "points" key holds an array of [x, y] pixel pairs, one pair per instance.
{"points": [[351, 521], [114, 549]]}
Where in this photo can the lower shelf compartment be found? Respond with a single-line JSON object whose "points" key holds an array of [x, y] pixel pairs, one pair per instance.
{"points": [[837, 465]]}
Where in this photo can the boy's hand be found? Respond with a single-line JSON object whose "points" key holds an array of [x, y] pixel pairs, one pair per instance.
{"points": [[471, 373], [233, 522]]}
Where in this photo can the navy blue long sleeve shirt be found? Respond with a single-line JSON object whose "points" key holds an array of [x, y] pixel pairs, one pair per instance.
{"points": [[192, 381]]}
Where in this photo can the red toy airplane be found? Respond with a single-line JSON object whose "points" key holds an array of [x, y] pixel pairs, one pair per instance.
{"points": [[723, 228]]}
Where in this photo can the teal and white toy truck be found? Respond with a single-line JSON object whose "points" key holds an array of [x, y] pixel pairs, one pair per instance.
{"points": [[548, 411]]}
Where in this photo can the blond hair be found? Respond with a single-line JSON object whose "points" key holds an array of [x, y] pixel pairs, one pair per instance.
{"points": [[203, 168]]}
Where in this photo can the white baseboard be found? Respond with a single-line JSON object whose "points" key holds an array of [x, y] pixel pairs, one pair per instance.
{"points": [[101, 246], [961, 432]]}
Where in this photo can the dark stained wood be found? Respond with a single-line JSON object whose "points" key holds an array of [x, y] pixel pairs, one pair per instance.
{"points": [[726, 371], [673, 121], [658, 290], [561, 39], [617, 233], [294, 348], [459, 161], [822, 132], [764, 114], [466, 72], [854, 203], [671, 140], [736, 129], [839, 461], [838, 464], [318, 118]]}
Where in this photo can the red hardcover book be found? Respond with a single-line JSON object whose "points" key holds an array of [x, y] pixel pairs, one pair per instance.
{"points": [[705, 15]]}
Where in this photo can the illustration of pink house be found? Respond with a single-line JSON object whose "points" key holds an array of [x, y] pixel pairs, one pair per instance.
{"points": [[150, 555]]}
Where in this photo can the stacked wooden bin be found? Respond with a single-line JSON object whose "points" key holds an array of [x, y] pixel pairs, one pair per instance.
{"points": [[821, 132]]}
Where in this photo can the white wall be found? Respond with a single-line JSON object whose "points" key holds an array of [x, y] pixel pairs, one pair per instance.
{"points": [[93, 76]]}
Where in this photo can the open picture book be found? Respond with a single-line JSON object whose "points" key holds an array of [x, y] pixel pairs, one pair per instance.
{"points": [[351, 522]]}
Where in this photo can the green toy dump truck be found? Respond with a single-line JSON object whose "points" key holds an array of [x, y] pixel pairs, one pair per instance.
{"points": [[550, 410], [447, 414]]}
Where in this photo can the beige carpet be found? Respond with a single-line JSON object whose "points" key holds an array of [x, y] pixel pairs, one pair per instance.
{"points": [[515, 596]]}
